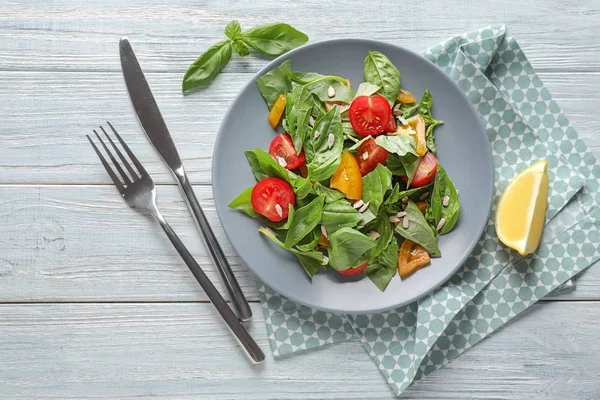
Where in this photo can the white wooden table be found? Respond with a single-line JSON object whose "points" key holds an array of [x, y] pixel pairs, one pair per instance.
{"points": [[94, 301]]}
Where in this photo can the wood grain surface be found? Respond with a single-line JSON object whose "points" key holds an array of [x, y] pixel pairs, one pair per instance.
{"points": [[95, 302]]}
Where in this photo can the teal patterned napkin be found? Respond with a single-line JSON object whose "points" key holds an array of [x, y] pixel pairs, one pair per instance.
{"points": [[495, 284]]}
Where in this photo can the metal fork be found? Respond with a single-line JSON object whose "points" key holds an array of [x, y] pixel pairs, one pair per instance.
{"points": [[139, 193]]}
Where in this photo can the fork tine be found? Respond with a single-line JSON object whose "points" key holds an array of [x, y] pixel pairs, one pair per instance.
{"points": [[121, 156], [115, 162], [109, 170], [139, 166]]}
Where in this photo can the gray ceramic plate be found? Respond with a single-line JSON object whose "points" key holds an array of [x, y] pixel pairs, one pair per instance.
{"points": [[463, 150]]}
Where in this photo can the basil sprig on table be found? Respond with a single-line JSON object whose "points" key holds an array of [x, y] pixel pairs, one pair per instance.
{"points": [[272, 39]]}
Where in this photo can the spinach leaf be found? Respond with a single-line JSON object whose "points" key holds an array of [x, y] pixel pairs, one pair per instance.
{"points": [[354, 147], [394, 164], [349, 132], [331, 195], [425, 108], [392, 203], [319, 85], [273, 39], [410, 162], [257, 170], [274, 83], [366, 89], [305, 220], [322, 159], [383, 268], [339, 214], [383, 226], [302, 187], [442, 187], [418, 230], [380, 71], [430, 141], [375, 184], [397, 144], [407, 110], [298, 109], [366, 217], [243, 202], [206, 68], [282, 227], [311, 261], [348, 248], [310, 241]]}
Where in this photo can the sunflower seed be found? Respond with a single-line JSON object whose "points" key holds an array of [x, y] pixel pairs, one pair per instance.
{"points": [[281, 161], [401, 214], [405, 222], [374, 235], [317, 134], [446, 201], [440, 225], [405, 199], [279, 210], [424, 196], [324, 231], [396, 110], [330, 91], [358, 204], [364, 207], [365, 155], [402, 121], [311, 121], [344, 109], [394, 219], [325, 260], [330, 140]]}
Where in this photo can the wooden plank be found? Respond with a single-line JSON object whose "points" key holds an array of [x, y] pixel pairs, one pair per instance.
{"points": [[42, 139], [82, 243], [169, 35], [183, 351]]}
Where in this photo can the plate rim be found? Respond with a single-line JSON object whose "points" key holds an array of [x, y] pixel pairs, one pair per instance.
{"points": [[490, 185]]}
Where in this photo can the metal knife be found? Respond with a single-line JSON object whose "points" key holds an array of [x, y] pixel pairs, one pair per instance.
{"points": [[156, 130]]}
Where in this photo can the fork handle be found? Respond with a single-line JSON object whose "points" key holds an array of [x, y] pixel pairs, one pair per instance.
{"points": [[232, 321], [240, 304]]}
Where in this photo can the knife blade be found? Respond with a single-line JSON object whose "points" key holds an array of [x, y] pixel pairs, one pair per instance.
{"points": [[156, 130]]}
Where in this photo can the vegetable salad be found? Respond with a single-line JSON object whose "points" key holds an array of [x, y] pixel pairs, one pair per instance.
{"points": [[353, 184]]}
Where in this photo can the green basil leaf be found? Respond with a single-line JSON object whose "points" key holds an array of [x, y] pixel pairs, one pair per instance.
{"points": [[240, 48], [347, 248], [206, 68], [380, 71], [274, 39], [366, 89], [339, 214], [257, 170], [442, 187], [311, 261], [233, 30], [431, 144], [310, 241], [331, 195], [298, 109], [274, 83], [305, 220], [383, 268], [244, 202], [375, 185], [397, 144], [418, 230], [322, 159]]}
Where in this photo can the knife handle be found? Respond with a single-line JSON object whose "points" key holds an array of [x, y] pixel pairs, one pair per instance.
{"points": [[240, 304]]}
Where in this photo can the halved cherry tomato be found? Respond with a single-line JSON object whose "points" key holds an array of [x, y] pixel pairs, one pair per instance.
{"points": [[347, 178], [370, 115], [392, 127], [416, 128], [283, 151], [422, 206], [271, 197], [406, 97], [369, 155], [425, 171], [277, 110], [412, 256], [354, 271]]}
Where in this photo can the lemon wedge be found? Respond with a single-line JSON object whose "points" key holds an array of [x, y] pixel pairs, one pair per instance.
{"points": [[521, 210]]}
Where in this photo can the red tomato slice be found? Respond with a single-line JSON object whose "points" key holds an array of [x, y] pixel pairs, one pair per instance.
{"points": [[392, 127], [283, 151], [370, 115], [271, 197], [369, 155], [425, 171], [354, 271]]}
